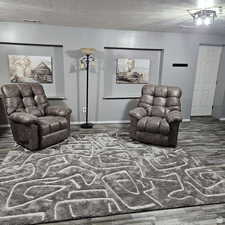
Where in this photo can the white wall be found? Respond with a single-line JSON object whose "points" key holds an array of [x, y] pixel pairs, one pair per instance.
{"points": [[178, 48]]}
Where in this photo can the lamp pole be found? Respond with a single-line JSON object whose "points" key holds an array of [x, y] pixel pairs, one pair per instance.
{"points": [[87, 125]]}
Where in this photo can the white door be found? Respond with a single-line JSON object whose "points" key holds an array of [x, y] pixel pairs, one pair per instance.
{"points": [[205, 80]]}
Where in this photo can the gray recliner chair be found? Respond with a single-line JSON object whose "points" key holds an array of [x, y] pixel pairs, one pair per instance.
{"points": [[158, 115], [35, 124]]}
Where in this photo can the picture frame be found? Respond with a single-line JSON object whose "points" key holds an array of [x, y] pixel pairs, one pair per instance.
{"points": [[24, 68]]}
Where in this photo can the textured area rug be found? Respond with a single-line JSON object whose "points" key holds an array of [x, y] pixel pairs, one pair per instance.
{"points": [[99, 174]]}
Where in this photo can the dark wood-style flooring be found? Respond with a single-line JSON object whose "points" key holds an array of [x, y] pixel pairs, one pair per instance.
{"points": [[204, 138]]}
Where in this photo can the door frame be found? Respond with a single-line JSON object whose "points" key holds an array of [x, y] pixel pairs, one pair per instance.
{"points": [[196, 66]]}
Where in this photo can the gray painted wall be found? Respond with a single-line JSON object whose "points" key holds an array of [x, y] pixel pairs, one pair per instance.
{"points": [[52, 89], [112, 89], [178, 48]]}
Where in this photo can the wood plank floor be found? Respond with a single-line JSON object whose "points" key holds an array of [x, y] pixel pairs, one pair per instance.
{"points": [[204, 138]]}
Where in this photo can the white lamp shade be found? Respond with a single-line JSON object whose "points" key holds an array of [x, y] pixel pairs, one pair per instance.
{"points": [[87, 51]]}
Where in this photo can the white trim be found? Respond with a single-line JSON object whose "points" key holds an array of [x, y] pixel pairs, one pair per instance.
{"points": [[102, 122], [222, 119], [113, 122], [186, 120], [4, 125]]}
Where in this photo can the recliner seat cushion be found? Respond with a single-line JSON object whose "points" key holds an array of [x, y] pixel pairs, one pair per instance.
{"points": [[50, 124], [157, 111], [153, 125]]}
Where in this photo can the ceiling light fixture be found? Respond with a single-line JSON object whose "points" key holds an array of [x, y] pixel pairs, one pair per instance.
{"points": [[202, 4], [204, 17]]}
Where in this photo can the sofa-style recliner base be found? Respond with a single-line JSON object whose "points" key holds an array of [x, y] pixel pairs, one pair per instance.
{"points": [[53, 138], [25, 135], [29, 136], [156, 138]]}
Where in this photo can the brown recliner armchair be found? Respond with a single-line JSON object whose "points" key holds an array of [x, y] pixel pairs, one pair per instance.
{"points": [[35, 124], [158, 115]]}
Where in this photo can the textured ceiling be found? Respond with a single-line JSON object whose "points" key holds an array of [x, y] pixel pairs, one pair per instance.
{"points": [[148, 15]]}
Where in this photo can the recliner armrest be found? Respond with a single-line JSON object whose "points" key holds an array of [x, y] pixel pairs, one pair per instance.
{"points": [[174, 116], [58, 111], [24, 118], [138, 113]]}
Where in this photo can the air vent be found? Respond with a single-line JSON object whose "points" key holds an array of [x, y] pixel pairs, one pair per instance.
{"points": [[31, 21], [180, 65]]}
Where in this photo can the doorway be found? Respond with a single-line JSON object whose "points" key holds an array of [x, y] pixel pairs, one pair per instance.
{"points": [[205, 80]]}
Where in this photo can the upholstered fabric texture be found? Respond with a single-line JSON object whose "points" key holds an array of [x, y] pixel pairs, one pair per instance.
{"points": [[25, 97], [157, 117], [34, 123]]}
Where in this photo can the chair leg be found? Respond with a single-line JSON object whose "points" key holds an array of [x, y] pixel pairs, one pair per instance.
{"points": [[68, 124], [174, 128]]}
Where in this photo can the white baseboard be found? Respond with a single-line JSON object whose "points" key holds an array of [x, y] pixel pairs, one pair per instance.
{"points": [[222, 119], [186, 120], [114, 122], [78, 123], [4, 125], [102, 122]]}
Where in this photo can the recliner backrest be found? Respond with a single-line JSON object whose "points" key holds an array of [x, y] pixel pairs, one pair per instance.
{"points": [[25, 97], [159, 99]]}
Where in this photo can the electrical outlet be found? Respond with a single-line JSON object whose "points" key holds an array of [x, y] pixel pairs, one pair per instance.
{"points": [[84, 109], [220, 220]]}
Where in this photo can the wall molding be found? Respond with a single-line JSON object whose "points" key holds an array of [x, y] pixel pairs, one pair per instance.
{"points": [[139, 49], [49, 97], [118, 98], [186, 120], [114, 122], [56, 98], [32, 44], [102, 122]]}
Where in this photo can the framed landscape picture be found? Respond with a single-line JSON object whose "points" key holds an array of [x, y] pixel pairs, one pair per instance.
{"points": [[132, 71], [24, 68]]}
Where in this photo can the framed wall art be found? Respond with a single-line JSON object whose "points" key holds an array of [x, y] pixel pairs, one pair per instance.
{"points": [[132, 71], [126, 70], [24, 68]]}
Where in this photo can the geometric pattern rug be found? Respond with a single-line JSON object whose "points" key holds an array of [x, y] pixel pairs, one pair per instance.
{"points": [[100, 174]]}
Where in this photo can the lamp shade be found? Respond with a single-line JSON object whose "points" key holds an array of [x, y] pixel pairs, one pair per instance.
{"points": [[87, 51]]}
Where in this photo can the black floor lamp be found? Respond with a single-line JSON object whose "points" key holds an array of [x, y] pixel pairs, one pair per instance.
{"points": [[85, 62]]}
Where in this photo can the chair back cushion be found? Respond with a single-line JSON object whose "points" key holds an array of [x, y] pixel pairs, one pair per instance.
{"points": [[25, 97], [159, 100]]}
